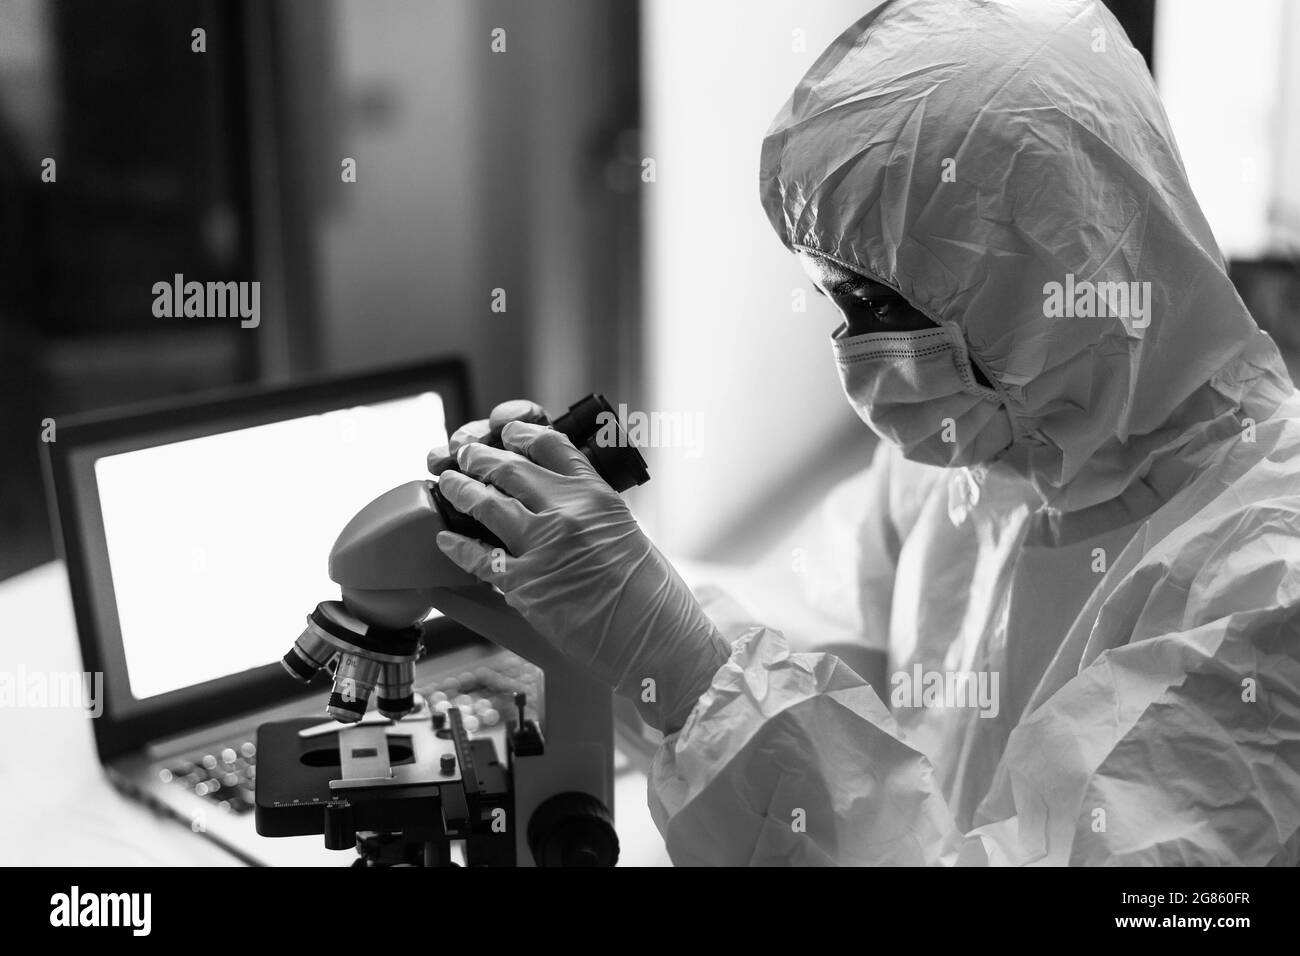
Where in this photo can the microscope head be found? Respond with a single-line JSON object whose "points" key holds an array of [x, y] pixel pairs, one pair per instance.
{"points": [[387, 560], [389, 567], [393, 574]]}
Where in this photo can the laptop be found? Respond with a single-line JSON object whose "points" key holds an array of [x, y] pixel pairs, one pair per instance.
{"points": [[196, 537]]}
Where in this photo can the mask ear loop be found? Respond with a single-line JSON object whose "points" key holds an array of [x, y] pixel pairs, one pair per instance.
{"points": [[965, 367]]}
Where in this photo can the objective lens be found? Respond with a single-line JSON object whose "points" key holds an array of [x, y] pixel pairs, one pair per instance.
{"points": [[396, 692], [308, 655], [354, 682]]}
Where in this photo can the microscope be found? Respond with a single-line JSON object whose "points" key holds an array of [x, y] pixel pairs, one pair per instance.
{"points": [[405, 781]]}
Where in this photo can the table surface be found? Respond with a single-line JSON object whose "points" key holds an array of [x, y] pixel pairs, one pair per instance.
{"points": [[59, 807]]}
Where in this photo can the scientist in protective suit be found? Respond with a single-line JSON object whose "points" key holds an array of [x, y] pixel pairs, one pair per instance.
{"points": [[991, 195]]}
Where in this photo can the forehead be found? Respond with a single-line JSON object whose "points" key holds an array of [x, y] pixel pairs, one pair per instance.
{"points": [[827, 274]]}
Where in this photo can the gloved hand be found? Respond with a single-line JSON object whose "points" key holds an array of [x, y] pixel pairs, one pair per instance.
{"points": [[582, 572], [441, 457]]}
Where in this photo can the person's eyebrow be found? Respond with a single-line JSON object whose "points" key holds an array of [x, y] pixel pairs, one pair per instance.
{"points": [[856, 285], [848, 286]]}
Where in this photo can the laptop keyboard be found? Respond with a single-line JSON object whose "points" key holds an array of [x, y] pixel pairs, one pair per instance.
{"points": [[227, 775], [485, 695]]}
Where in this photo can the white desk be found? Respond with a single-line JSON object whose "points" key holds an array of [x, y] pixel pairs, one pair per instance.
{"points": [[58, 807]]}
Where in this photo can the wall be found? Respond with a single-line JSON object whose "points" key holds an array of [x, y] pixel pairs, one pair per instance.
{"points": [[722, 339], [399, 266], [477, 169], [1230, 83]]}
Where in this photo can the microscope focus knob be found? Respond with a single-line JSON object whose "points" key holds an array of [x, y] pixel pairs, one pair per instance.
{"points": [[573, 829]]}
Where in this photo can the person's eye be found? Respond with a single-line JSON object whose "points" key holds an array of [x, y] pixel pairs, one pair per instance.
{"points": [[888, 309]]}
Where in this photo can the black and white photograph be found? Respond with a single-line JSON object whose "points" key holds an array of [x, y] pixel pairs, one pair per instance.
{"points": [[649, 433]]}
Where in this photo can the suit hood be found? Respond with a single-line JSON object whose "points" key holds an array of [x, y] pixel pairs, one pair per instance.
{"points": [[1008, 168]]}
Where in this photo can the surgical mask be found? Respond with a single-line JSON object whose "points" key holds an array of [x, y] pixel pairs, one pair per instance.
{"points": [[917, 390]]}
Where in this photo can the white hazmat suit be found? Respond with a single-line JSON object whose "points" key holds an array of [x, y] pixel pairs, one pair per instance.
{"points": [[1128, 570]]}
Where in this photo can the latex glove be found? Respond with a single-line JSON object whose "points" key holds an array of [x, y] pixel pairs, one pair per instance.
{"points": [[441, 457], [582, 572]]}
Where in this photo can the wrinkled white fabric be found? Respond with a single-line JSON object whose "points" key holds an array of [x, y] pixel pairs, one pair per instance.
{"points": [[1129, 569]]}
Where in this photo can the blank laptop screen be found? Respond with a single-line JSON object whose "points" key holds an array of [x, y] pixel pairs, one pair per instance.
{"points": [[218, 546]]}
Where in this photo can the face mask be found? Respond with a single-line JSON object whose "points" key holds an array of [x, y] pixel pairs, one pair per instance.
{"points": [[916, 390]]}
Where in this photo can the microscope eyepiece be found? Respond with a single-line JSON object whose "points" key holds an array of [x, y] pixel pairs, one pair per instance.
{"points": [[595, 430]]}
